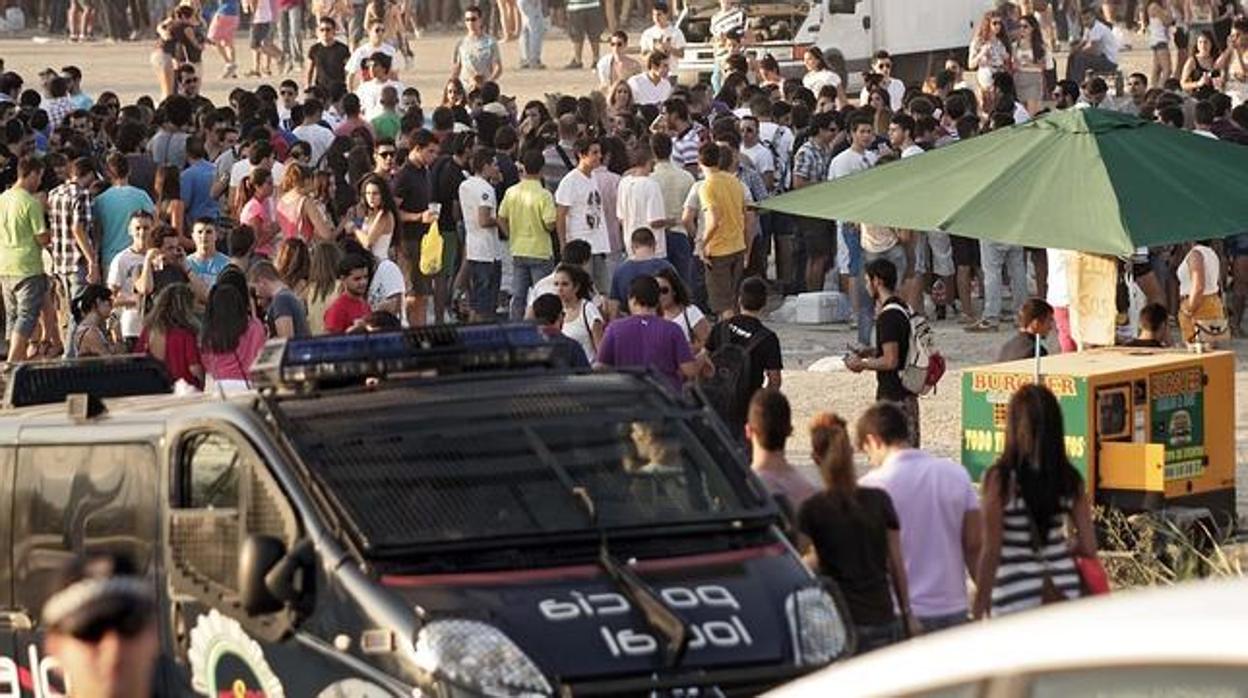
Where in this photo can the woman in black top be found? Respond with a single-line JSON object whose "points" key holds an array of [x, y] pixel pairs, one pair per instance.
{"points": [[854, 537], [176, 43]]}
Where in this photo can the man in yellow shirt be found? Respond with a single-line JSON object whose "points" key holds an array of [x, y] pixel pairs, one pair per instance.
{"points": [[526, 218], [23, 235], [723, 248]]}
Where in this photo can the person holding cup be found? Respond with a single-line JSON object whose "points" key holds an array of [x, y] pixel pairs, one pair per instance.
{"points": [[663, 36]]}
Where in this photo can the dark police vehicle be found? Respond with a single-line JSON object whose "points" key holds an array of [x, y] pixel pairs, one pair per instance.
{"points": [[462, 522]]}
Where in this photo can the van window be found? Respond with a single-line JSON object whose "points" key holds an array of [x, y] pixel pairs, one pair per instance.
{"points": [[842, 7], [211, 472], [70, 500]]}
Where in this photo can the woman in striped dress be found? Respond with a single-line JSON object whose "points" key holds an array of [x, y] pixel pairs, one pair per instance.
{"points": [[1029, 495]]}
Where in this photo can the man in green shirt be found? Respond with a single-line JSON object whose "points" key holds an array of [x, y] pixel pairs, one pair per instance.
{"points": [[388, 123], [527, 217], [23, 235]]}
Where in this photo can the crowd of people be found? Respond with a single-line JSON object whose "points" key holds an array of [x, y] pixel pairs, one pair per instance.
{"points": [[342, 200]]}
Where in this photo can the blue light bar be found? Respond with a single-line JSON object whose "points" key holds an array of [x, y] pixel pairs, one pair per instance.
{"points": [[440, 349]]}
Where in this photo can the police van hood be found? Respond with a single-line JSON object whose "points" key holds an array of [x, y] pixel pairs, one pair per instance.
{"points": [[575, 622]]}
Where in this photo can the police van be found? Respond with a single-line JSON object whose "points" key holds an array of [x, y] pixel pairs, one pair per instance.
{"points": [[429, 513]]}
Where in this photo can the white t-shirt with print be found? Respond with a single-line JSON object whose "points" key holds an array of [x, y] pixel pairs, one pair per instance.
{"points": [[122, 273], [585, 213], [639, 201], [481, 244], [652, 40]]}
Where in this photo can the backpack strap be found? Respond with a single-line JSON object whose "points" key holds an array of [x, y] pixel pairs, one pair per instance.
{"points": [[563, 155]]}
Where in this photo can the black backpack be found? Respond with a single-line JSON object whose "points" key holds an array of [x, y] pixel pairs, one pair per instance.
{"points": [[728, 389]]}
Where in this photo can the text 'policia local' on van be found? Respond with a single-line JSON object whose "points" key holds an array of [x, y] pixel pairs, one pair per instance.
{"points": [[453, 529]]}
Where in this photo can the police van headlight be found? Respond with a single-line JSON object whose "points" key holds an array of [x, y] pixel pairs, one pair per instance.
{"points": [[817, 626], [479, 657]]}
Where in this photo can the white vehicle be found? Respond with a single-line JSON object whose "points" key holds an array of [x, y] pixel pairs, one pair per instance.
{"points": [[1178, 641], [919, 35]]}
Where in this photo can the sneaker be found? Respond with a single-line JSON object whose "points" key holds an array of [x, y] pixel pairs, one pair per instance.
{"points": [[573, 65], [525, 66], [538, 66]]}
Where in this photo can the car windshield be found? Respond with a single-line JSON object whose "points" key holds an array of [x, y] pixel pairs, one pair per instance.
{"points": [[438, 464]]}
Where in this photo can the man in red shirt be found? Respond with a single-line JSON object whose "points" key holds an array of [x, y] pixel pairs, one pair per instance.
{"points": [[350, 307]]}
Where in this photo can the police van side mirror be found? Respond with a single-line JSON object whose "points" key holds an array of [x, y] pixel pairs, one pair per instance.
{"points": [[258, 556]]}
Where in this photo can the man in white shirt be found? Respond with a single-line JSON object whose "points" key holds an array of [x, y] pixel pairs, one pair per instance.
{"points": [[663, 35], [579, 214], [479, 207], [312, 132], [883, 64], [1097, 50], [775, 136], [854, 159], [370, 91], [639, 200], [760, 155], [616, 65], [375, 44], [938, 510], [652, 86]]}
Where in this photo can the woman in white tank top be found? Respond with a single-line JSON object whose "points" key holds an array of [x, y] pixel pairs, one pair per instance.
{"points": [[1159, 23], [1202, 316]]}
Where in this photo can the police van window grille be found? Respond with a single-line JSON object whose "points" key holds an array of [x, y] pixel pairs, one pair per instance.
{"points": [[426, 480], [265, 511], [204, 546]]}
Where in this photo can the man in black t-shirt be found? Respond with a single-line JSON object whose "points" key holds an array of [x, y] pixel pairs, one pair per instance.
{"points": [[413, 188], [447, 174], [892, 343], [327, 59], [746, 329], [1035, 319]]}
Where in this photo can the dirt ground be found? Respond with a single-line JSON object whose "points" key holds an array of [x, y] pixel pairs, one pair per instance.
{"points": [[124, 69]]}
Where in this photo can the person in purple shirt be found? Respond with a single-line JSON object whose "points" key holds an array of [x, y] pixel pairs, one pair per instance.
{"points": [[646, 340]]}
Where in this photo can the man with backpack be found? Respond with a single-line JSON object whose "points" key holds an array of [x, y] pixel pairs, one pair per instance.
{"points": [[893, 337], [745, 356]]}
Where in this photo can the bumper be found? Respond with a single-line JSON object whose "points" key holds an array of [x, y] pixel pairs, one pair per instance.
{"points": [[746, 681]]}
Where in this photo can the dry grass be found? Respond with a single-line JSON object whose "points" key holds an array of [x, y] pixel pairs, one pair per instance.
{"points": [[1149, 550]]}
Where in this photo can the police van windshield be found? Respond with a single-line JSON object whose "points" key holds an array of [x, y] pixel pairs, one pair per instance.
{"points": [[421, 465]]}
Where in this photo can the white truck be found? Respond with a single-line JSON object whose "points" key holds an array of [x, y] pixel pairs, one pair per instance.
{"points": [[920, 34]]}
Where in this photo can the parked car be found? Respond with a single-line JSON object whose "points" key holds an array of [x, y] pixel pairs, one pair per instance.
{"points": [[1186, 641]]}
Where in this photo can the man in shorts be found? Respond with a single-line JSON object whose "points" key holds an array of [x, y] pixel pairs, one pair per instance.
{"points": [[23, 235], [413, 187], [723, 249], [810, 166], [585, 21]]}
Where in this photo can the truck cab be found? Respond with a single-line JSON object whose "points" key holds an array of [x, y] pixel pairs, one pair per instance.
{"points": [[919, 36], [430, 513]]}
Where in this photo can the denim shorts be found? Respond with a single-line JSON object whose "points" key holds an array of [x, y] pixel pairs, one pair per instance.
{"points": [[849, 249], [483, 278], [23, 300]]}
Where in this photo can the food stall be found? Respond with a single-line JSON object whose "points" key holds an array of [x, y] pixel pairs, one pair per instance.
{"points": [[1150, 429]]}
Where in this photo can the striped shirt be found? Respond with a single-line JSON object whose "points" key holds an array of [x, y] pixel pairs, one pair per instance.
{"points": [[685, 146], [1020, 575], [69, 205]]}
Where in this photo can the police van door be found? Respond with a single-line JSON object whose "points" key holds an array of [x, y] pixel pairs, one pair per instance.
{"points": [[73, 498], [220, 493]]}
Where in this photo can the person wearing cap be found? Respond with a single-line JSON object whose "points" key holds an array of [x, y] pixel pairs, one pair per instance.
{"points": [[663, 36], [101, 627]]}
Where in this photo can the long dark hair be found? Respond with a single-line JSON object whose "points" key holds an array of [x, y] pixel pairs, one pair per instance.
{"points": [[387, 199], [1037, 39], [1035, 455], [227, 313], [680, 292], [88, 299], [580, 278]]}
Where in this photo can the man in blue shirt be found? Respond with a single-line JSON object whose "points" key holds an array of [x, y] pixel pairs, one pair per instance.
{"points": [[548, 311], [111, 210], [197, 181], [642, 243]]}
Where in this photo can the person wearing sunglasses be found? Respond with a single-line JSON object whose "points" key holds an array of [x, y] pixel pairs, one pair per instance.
{"points": [[477, 57], [616, 65], [101, 628]]}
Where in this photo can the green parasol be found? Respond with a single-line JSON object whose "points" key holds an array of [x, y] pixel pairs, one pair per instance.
{"points": [[1080, 179]]}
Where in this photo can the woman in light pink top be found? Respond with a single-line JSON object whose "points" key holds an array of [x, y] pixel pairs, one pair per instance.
{"points": [[298, 214]]}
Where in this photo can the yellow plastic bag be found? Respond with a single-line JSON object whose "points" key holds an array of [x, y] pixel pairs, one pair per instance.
{"points": [[431, 251]]}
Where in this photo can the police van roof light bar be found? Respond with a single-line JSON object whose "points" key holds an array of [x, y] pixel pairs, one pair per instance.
{"points": [[440, 349]]}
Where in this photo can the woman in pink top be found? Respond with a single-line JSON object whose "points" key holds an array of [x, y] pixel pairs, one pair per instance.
{"points": [[298, 214], [259, 211], [232, 336]]}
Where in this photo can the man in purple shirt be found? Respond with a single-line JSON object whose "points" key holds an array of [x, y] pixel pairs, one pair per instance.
{"points": [[646, 340]]}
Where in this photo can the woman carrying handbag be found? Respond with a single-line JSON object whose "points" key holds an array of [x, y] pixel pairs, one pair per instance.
{"points": [[1030, 494]]}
